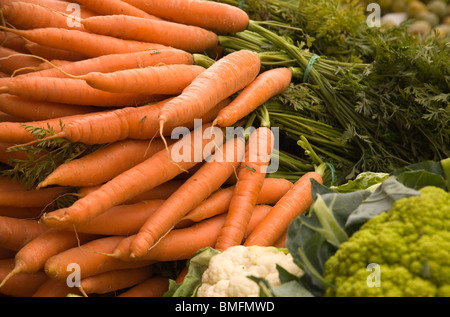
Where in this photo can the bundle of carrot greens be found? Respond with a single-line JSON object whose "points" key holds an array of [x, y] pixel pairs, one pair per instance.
{"points": [[384, 92]]}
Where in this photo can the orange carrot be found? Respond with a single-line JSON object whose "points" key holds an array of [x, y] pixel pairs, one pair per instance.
{"points": [[85, 43], [30, 197], [14, 42], [160, 192], [18, 13], [281, 241], [182, 275], [55, 288], [119, 220], [114, 62], [32, 256], [218, 17], [16, 62], [189, 38], [20, 285], [154, 171], [71, 91], [198, 187], [51, 53], [32, 110], [250, 180], [8, 184], [115, 7], [59, 5], [265, 86], [115, 280], [114, 159], [155, 286], [92, 258], [162, 80], [296, 201], [181, 244], [225, 77], [271, 191], [16, 233]]}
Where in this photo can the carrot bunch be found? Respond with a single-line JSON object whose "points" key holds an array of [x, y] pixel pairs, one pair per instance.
{"points": [[128, 138]]}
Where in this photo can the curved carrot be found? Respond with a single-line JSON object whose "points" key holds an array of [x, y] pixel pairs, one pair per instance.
{"points": [[15, 61], [32, 256], [71, 91], [159, 80], [225, 77], [114, 159], [16, 233], [115, 280], [18, 13], [296, 201], [155, 286], [32, 110], [62, 6], [271, 191], [198, 187], [92, 258], [218, 17], [265, 86], [20, 285], [248, 186], [189, 38], [154, 171], [85, 43]]}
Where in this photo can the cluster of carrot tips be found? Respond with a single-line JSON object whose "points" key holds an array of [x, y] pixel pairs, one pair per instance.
{"points": [[106, 109]]}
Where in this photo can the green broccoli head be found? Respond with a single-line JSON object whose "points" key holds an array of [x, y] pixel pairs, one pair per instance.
{"points": [[402, 252]]}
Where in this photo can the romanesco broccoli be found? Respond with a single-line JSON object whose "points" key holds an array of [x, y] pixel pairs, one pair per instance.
{"points": [[410, 243]]}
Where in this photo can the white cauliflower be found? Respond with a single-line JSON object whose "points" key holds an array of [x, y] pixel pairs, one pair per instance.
{"points": [[228, 271]]}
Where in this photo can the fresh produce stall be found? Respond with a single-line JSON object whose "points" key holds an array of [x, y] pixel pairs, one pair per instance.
{"points": [[228, 148]]}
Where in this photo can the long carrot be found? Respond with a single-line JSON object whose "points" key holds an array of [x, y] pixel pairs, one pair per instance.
{"points": [[59, 5], [20, 285], [85, 43], [154, 171], [15, 233], [32, 256], [296, 201], [189, 38], [231, 73], [198, 187], [32, 110], [218, 17], [162, 80], [90, 258], [250, 181], [115, 62], [271, 191], [155, 286], [181, 244], [18, 13], [123, 219], [114, 159], [265, 86], [115, 280], [71, 91], [115, 7]]}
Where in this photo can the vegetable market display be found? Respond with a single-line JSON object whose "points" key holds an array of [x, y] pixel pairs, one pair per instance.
{"points": [[98, 198]]}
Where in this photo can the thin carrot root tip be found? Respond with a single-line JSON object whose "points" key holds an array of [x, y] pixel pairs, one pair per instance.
{"points": [[7, 277]]}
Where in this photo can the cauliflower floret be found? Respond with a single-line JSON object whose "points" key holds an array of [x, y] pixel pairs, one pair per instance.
{"points": [[228, 271], [410, 243]]}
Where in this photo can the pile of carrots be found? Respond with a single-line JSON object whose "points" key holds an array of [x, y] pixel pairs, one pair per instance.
{"points": [[122, 74]]}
